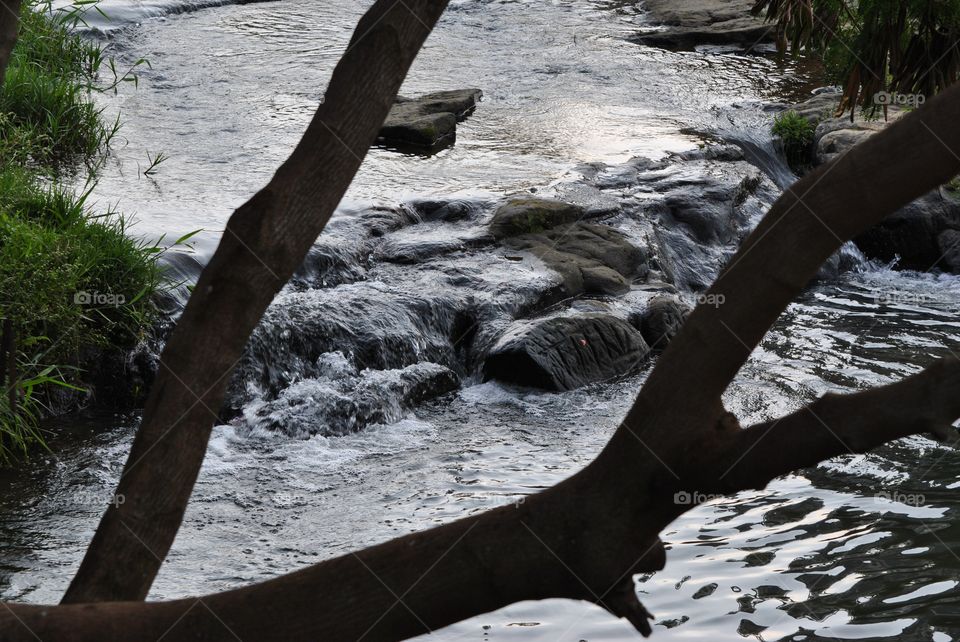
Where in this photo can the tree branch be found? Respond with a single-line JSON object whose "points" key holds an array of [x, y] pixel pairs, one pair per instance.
{"points": [[264, 242], [927, 402], [581, 539], [806, 225]]}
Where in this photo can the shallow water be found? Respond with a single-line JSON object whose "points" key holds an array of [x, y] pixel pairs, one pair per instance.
{"points": [[232, 88], [861, 547]]}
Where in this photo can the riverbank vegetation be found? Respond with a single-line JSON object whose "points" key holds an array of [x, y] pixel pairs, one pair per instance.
{"points": [[882, 52], [72, 283], [796, 135]]}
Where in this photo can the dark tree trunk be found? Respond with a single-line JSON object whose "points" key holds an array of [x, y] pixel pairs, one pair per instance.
{"points": [[584, 538], [264, 242], [9, 29]]}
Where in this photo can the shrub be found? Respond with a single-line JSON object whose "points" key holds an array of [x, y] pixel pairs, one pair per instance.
{"points": [[796, 136]]}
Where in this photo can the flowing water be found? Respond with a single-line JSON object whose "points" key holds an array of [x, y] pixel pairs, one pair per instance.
{"points": [[861, 547]]}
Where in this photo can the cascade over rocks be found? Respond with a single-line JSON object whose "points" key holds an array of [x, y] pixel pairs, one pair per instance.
{"points": [[540, 291], [342, 400]]}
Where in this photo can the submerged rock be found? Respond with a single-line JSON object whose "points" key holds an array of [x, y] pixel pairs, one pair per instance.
{"points": [[563, 353], [430, 121], [527, 215]]}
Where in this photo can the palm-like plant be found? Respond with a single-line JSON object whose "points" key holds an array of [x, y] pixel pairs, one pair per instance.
{"points": [[873, 47]]}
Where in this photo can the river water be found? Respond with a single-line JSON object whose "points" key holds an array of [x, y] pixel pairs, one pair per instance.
{"points": [[861, 547]]}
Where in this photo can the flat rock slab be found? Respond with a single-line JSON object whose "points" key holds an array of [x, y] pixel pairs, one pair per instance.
{"points": [[590, 258], [429, 122], [564, 353], [704, 22], [532, 215]]}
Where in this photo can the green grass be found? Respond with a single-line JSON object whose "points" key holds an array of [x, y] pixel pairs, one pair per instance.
{"points": [[47, 115], [71, 281], [796, 134]]}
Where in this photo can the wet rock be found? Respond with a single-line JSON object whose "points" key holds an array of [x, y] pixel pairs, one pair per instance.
{"points": [[661, 321], [833, 144], [717, 152], [914, 235], [593, 202], [410, 251], [430, 121], [563, 353], [949, 242], [590, 258], [704, 22], [701, 211], [820, 107], [525, 215], [449, 211]]}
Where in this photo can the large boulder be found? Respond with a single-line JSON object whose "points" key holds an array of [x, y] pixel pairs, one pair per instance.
{"points": [[526, 215], [915, 235], [704, 22], [563, 353], [590, 258], [430, 121]]}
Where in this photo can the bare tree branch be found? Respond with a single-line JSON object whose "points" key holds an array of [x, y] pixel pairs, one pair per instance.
{"points": [[928, 402], [265, 240], [806, 225]]}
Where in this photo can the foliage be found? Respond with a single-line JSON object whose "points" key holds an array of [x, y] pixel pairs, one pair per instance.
{"points": [[796, 136], [47, 115], [71, 281], [874, 48]]}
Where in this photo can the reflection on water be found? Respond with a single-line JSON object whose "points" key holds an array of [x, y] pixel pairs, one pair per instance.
{"points": [[861, 547], [231, 90]]}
